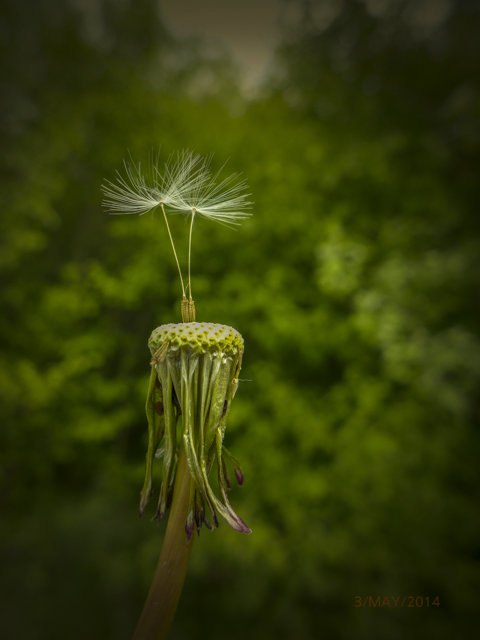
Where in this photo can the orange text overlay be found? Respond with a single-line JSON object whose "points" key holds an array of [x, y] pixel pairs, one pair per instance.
{"points": [[397, 602]]}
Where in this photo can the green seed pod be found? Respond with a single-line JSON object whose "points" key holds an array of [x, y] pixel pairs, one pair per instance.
{"points": [[195, 368]]}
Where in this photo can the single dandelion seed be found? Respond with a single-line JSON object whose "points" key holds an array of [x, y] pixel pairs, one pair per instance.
{"points": [[194, 375]]}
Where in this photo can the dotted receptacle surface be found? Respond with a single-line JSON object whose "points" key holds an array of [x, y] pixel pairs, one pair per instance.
{"points": [[199, 335]]}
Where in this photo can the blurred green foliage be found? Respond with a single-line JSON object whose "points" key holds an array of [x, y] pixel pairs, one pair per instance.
{"points": [[355, 286]]}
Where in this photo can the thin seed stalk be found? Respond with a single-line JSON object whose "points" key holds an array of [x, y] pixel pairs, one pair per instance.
{"points": [[190, 255], [166, 587], [173, 247]]}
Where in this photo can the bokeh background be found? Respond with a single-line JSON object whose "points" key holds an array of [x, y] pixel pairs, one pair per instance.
{"points": [[355, 285]]}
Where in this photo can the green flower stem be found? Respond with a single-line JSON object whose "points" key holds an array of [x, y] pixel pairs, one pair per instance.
{"points": [[162, 599]]}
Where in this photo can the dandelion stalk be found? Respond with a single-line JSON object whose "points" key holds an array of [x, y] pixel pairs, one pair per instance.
{"points": [[194, 377], [167, 583]]}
